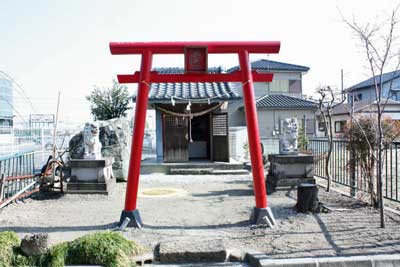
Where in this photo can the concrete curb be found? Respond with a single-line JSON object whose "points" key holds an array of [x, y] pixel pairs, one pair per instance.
{"points": [[254, 257], [391, 260]]}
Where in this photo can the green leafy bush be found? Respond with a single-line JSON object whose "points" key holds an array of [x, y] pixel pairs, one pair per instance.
{"points": [[8, 241], [302, 141], [108, 249]]}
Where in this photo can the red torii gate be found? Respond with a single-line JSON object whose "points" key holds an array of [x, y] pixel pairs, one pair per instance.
{"points": [[261, 213]]}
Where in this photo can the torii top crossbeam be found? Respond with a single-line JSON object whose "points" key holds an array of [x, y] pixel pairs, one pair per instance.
{"points": [[181, 47], [195, 71], [126, 48]]}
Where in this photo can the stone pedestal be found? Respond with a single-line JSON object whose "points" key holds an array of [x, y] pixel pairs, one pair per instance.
{"points": [[289, 171], [91, 176]]}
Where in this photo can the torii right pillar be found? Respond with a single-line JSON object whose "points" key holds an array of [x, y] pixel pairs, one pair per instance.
{"points": [[261, 213]]}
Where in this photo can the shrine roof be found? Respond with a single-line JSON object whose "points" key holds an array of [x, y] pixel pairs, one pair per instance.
{"points": [[215, 91], [284, 102]]}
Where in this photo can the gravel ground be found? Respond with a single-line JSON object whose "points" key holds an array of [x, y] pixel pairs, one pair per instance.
{"points": [[215, 207]]}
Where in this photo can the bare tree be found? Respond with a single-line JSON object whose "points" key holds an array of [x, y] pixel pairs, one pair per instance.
{"points": [[328, 99], [379, 44]]}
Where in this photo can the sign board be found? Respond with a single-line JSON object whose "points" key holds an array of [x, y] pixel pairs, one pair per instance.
{"points": [[196, 60], [41, 118]]}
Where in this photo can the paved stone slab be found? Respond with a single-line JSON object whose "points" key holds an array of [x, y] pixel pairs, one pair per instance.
{"points": [[192, 250]]}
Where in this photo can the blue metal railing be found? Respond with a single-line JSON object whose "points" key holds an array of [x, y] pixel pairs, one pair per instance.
{"points": [[351, 175], [17, 172]]}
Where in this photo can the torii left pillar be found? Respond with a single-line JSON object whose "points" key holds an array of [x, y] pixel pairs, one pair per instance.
{"points": [[261, 213], [130, 210]]}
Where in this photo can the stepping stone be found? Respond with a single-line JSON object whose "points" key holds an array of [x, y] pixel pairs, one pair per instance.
{"points": [[184, 250]]}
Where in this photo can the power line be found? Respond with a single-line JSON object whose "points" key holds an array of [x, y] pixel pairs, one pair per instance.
{"points": [[19, 87]]}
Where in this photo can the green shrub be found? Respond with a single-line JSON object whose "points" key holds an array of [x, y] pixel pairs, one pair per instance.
{"points": [[302, 140], [8, 241], [108, 249], [57, 255]]}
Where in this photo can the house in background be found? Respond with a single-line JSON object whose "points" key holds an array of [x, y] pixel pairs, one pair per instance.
{"points": [[365, 90], [361, 101], [280, 99], [6, 117], [341, 115]]}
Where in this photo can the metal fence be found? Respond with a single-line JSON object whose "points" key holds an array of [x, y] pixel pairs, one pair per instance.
{"points": [[350, 175], [17, 175]]}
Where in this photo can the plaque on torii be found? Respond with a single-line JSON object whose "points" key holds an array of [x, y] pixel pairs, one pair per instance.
{"points": [[196, 60]]}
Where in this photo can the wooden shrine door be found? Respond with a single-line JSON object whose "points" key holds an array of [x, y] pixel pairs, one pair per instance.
{"points": [[176, 138], [220, 137]]}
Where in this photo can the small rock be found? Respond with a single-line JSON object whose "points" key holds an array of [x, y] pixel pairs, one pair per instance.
{"points": [[35, 244]]}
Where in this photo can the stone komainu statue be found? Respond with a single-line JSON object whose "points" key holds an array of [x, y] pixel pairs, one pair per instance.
{"points": [[288, 136], [91, 142]]}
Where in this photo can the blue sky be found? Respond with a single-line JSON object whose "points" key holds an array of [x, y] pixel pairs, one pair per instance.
{"points": [[50, 46]]}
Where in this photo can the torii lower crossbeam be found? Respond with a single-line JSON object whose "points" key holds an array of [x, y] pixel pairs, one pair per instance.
{"points": [[261, 213]]}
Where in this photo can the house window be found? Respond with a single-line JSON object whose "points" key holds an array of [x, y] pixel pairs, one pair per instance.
{"points": [[310, 126], [321, 126], [294, 86], [358, 97], [339, 126], [279, 86], [5, 130]]}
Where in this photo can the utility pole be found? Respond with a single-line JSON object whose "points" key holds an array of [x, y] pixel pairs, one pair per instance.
{"points": [[341, 83]]}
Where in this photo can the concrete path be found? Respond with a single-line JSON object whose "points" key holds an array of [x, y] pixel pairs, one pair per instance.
{"points": [[353, 261]]}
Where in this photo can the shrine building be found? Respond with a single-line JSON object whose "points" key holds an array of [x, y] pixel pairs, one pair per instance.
{"points": [[192, 118]]}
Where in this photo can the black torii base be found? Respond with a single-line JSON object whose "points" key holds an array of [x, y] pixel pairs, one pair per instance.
{"points": [[262, 216], [134, 216]]}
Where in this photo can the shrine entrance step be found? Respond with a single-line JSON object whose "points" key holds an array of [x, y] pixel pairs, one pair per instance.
{"points": [[205, 167], [187, 171], [209, 171]]}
